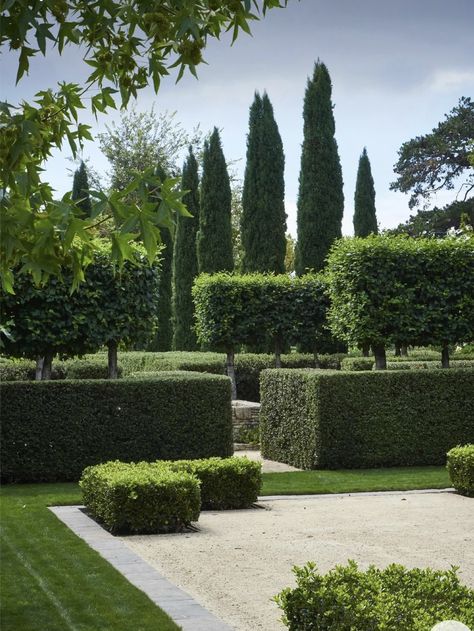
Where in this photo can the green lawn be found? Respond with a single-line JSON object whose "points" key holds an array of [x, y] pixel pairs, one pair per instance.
{"points": [[355, 480], [52, 581]]}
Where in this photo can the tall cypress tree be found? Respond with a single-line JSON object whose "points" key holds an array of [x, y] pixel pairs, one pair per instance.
{"points": [[80, 190], [263, 223], [214, 239], [365, 220], [164, 336], [320, 197], [185, 267]]}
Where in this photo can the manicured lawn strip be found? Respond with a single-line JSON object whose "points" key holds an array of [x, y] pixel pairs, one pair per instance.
{"points": [[52, 580], [355, 480]]}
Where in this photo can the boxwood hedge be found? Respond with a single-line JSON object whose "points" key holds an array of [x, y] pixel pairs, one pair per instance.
{"points": [[393, 599], [140, 497], [325, 419], [52, 430], [460, 466], [225, 482]]}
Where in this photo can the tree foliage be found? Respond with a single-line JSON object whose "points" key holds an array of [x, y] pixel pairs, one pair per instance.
{"points": [[365, 219], [435, 161], [320, 196], [127, 46], [109, 307], [185, 267], [438, 221], [80, 190], [264, 218], [397, 291], [214, 239], [142, 140]]}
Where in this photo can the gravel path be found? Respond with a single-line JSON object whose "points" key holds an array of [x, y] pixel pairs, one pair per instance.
{"points": [[240, 559]]}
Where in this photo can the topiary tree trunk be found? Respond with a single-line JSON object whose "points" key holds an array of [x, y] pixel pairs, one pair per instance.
{"points": [[112, 360], [380, 357]]}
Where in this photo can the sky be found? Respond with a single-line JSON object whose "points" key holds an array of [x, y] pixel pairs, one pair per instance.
{"points": [[397, 67]]}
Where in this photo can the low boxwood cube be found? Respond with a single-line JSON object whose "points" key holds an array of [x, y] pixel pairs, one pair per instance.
{"points": [[141, 497]]}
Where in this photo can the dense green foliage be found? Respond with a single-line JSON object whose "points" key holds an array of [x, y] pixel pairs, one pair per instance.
{"points": [[37, 549], [438, 221], [125, 49], [323, 419], [365, 219], [263, 222], [393, 290], [140, 497], [435, 161], [164, 336], [367, 363], [392, 599], [226, 483], [234, 310], [320, 197], [214, 239], [53, 430], [460, 465], [109, 307], [80, 190], [185, 265]]}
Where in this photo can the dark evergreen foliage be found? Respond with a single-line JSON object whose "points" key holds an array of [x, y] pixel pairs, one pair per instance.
{"points": [[185, 267], [320, 197], [214, 240], [80, 190], [164, 336], [365, 219], [264, 219]]}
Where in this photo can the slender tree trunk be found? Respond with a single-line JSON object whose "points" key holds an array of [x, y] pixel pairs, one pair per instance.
{"points": [[365, 350], [230, 368], [398, 350], [316, 359], [112, 360], [47, 366], [39, 368], [445, 356], [380, 358], [404, 350], [278, 346]]}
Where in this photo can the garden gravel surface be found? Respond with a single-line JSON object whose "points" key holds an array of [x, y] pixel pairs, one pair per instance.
{"points": [[239, 559]]}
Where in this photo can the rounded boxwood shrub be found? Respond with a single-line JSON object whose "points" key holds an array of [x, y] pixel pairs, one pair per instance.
{"points": [[392, 599], [460, 467], [357, 363], [140, 497]]}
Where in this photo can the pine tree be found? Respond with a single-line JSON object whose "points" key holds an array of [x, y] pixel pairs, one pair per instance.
{"points": [[365, 220], [214, 239], [185, 267], [80, 190], [264, 218], [320, 197]]}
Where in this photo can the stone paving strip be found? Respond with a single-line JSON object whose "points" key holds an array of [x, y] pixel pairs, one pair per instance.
{"points": [[179, 605]]}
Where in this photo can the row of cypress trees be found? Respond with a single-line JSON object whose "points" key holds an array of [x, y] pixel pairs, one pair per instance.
{"points": [[204, 243]]}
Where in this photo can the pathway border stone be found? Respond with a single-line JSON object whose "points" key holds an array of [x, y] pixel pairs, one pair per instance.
{"points": [[180, 606]]}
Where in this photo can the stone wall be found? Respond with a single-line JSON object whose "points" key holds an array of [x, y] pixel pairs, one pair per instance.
{"points": [[245, 416]]}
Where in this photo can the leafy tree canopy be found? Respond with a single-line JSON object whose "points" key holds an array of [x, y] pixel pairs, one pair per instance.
{"points": [[432, 162], [127, 45], [438, 222]]}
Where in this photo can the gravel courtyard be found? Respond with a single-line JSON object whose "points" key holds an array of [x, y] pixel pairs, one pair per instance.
{"points": [[240, 559]]}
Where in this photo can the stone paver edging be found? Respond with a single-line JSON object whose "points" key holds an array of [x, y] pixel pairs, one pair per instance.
{"points": [[179, 605]]}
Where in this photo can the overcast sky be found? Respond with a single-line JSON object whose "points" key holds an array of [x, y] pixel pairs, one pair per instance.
{"points": [[397, 68]]}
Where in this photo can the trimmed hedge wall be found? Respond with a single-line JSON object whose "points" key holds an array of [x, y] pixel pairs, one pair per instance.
{"points": [[324, 419], [367, 363], [460, 467], [52, 430], [133, 363]]}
